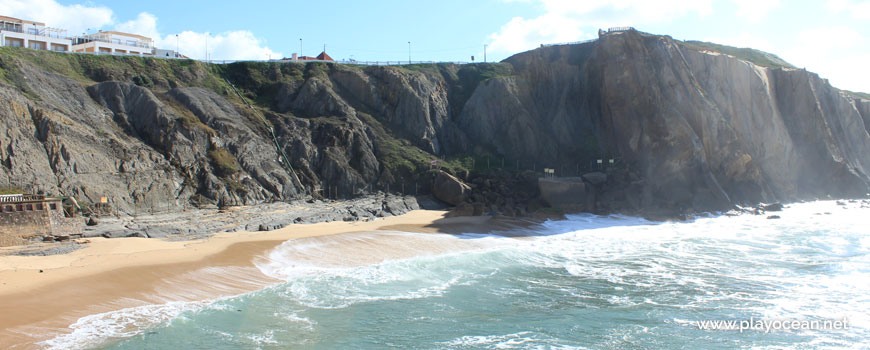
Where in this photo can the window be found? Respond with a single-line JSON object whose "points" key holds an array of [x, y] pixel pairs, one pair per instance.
{"points": [[52, 206], [39, 206], [116, 41], [9, 208], [33, 31], [132, 42], [14, 43], [36, 45], [30, 207]]}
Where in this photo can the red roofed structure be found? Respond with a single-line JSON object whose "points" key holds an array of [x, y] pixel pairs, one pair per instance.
{"points": [[321, 57], [324, 57]]}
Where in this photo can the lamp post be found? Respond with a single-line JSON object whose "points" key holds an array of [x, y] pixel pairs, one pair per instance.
{"points": [[484, 53], [409, 52], [206, 46], [176, 46], [300, 47]]}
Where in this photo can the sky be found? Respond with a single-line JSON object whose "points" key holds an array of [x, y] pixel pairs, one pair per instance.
{"points": [[830, 37]]}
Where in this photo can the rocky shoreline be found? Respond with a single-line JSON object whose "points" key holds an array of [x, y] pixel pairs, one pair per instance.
{"points": [[202, 223]]}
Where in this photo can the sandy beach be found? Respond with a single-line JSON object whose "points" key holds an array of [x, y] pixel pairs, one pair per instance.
{"points": [[41, 296]]}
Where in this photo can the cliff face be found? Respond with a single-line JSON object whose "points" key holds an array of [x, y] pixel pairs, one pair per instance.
{"points": [[694, 130]]}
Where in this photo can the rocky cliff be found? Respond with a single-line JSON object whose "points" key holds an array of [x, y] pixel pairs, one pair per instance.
{"points": [[693, 128]]}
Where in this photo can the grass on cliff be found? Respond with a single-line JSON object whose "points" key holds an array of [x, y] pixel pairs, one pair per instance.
{"points": [[757, 57], [4, 190], [399, 156], [224, 162], [144, 71], [861, 95]]}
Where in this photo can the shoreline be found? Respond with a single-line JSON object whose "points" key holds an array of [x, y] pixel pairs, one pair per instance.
{"points": [[112, 274]]}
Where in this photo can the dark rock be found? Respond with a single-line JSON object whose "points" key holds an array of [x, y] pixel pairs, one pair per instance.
{"points": [[773, 217], [772, 207], [463, 209], [92, 222]]}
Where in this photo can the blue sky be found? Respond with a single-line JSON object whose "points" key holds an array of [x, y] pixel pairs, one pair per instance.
{"points": [[829, 37]]}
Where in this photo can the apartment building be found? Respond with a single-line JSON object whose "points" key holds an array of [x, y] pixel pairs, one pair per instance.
{"points": [[17, 32], [112, 42]]}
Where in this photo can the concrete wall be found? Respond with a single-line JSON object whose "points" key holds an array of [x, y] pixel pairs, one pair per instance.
{"points": [[104, 47], [21, 222], [46, 42], [567, 193], [17, 227], [64, 226]]}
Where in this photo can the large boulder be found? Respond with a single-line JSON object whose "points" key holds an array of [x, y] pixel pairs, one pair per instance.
{"points": [[449, 189]]}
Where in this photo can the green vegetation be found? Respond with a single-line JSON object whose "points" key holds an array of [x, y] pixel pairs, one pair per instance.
{"points": [[88, 69], [186, 117], [856, 94], [260, 81], [223, 161], [10, 190], [398, 156], [757, 57]]}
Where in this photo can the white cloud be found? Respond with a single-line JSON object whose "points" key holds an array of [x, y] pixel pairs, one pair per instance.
{"points": [[572, 20], [755, 10], [836, 53], [522, 34], [857, 9], [76, 19], [235, 45], [144, 24], [232, 45], [745, 39]]}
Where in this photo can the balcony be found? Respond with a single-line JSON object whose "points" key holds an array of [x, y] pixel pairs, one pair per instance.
{"points": [[109, 40], [44, 32]]}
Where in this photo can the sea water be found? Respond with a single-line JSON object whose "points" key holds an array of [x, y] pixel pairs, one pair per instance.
{"points": [[588, 282]]}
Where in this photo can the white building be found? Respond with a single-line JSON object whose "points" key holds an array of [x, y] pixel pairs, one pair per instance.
{"points": [[35, 35], [163, 53], [111, 42]]}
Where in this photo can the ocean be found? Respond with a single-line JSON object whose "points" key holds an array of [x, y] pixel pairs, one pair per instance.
{"points": [[588, 282]]}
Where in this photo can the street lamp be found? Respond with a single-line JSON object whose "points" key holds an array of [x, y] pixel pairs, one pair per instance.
{"points": [[300, 47], [206, 46], [176, 45], [409, 52]]}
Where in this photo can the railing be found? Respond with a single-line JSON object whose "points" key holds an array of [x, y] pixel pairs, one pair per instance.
{"points": [[11, 29], [17, 198], [619, 29], [570, 43], [87, 40], [43, 34], [349, 62]]}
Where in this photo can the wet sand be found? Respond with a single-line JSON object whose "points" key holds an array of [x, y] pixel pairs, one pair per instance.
{"points": [[112, 274]]}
